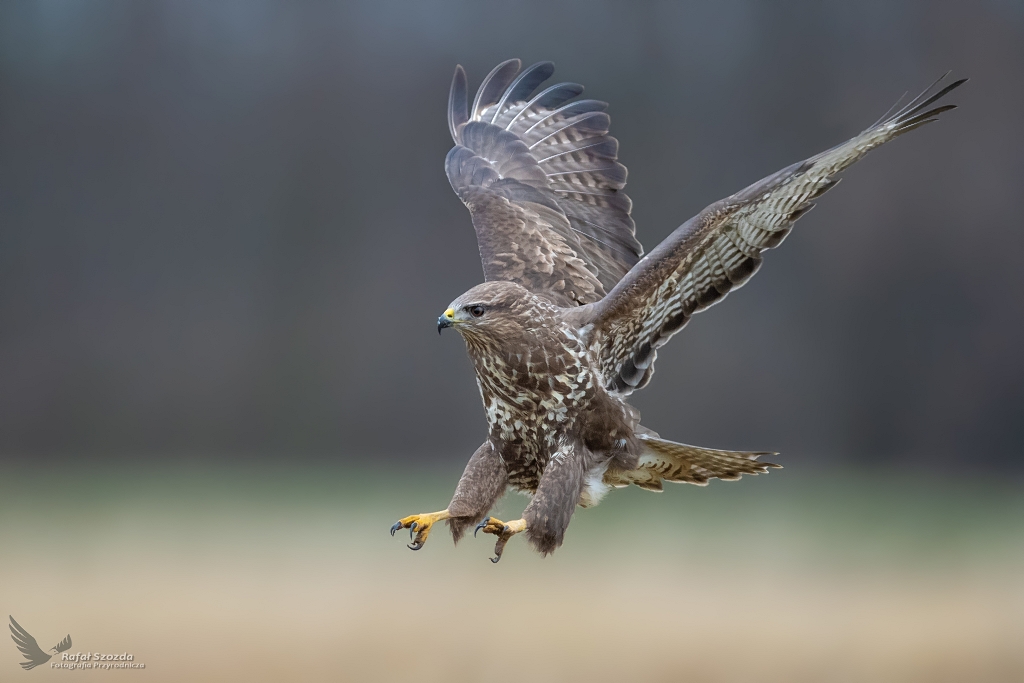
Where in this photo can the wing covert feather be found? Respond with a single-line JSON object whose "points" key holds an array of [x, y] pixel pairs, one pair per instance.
{"points": [[719, 249]]}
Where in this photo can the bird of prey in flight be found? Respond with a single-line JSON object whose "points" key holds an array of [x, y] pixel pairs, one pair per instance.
{"points": [[30, 648], [571, 315]]}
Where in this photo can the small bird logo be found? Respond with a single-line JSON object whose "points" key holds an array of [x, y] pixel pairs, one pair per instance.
{"points": [[30, 648]]}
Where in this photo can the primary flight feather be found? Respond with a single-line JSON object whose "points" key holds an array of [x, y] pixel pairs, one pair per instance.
{"points": [[571, 314]]}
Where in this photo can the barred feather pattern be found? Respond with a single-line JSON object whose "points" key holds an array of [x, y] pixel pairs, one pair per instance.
{"points": [[718, 250], [534, 378], [681, 463], [554, 355], [560, 148]]}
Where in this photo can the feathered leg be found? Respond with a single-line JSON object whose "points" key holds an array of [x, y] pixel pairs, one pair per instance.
{"points": [[547, 516], [482, 483]]}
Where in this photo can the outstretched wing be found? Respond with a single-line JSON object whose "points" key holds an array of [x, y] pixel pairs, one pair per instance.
{"points": [[540, 177], [28, 646], [720, 249]]}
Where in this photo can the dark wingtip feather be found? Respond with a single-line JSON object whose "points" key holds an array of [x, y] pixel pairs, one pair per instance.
{"points": [[936, 96], [458, 103], [914, 102], [910, 116]]}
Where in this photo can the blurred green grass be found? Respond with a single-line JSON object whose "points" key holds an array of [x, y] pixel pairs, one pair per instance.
{"points": [[844, 516], [205, 568]]}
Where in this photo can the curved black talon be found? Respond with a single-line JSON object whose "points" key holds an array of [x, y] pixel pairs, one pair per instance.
{"points": [[395, 527], [415, 546], [494, 560], [480, 526], [412, 531]]}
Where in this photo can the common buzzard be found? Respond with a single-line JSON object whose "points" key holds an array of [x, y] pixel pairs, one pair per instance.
{"points": [[570, 318]]}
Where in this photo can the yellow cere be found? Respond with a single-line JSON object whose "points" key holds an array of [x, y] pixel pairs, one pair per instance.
{"points": [[450, 314]]}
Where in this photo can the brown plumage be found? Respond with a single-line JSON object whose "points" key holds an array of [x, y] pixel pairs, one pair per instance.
{"points": [[570, 317]]}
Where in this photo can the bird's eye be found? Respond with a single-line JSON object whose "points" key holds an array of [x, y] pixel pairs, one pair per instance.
{"points": [[475, 311]]}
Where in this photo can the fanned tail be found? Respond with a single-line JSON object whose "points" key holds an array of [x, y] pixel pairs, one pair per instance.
{"points": [[677, 462]]}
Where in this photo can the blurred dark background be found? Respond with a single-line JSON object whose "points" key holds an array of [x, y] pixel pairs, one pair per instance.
{"points": [[225, 229]]}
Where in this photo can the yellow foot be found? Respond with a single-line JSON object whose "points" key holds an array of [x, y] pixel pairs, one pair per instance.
{"points": [[420, 526], [493, 525]]}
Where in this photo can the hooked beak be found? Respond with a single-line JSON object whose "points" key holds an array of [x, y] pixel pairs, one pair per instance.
{"points": [[446, 320]]}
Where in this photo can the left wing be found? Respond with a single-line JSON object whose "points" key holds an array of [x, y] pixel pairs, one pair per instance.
{"points": [[719, 249], [540, 176]]}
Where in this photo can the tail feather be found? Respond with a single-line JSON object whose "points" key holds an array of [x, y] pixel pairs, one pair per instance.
{"points": [[676, 462]]}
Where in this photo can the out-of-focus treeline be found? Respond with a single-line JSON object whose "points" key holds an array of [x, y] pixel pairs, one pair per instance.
{"points": [[225, 228]]}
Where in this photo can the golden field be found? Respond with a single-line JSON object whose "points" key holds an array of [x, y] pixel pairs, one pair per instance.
{"points": [[265, 573]]}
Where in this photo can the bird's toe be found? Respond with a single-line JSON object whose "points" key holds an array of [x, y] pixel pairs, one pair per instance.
{"points": [[419, 526], [502, 530]]}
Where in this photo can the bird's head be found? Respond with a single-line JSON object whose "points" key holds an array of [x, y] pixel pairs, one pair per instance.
{"points": [[491, 311]]}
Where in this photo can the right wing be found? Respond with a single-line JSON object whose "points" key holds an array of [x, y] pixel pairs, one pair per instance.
{"points": [[718, 250]]}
